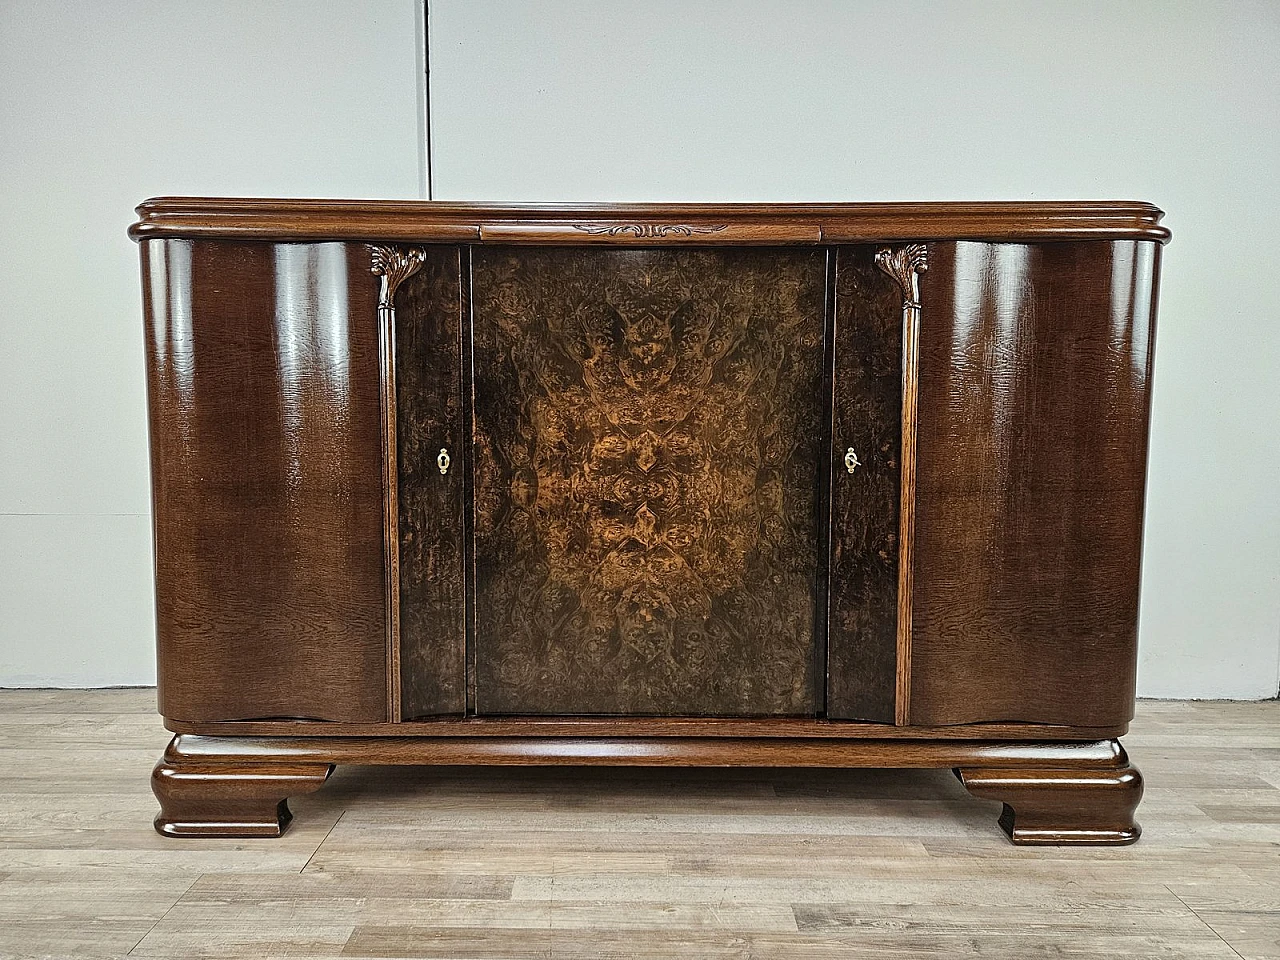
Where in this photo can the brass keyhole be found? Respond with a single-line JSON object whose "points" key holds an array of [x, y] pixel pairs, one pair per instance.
{"points": [[443, 461], [851, 460]]}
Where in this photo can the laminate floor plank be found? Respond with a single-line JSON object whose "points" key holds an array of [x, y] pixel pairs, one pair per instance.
{"points": [[244, 935], [445, 903], [1245, 915], [1253, 936], [1161, 914], [501, 863], [60, 937], [1243, 811], [517, 944], [422, 849], [910, 820], [107, 701]]}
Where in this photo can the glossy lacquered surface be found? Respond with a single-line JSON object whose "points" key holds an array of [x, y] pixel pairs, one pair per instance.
{"points": [[1062, 793], [426, 491], [1035, 375], [265, 456], [628, 224]]}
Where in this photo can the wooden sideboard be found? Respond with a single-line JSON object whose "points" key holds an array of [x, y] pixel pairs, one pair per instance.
{"points": [[759, 485]]}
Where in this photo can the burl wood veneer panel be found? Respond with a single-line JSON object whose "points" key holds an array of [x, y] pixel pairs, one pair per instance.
{"points": [[1035, 369], [430, 418], [865, 504], [263, 378], [649, 434]]}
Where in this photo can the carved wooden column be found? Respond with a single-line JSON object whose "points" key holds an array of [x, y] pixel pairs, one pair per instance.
{"points": [[394, 265], [905, 265]]}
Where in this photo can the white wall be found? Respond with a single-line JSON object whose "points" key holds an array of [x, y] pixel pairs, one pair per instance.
{"points": [[1176, 103], [1169, 102], [101, 106]]}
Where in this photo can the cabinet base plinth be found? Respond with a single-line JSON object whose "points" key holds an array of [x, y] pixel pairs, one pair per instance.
{"points": [[1053, 792], [1062, 805], [246, 798]]}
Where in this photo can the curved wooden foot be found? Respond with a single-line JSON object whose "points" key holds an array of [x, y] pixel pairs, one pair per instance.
{"points": [[242, 797], [1058, 805]]}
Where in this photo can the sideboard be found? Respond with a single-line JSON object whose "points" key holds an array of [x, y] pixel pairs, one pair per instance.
{"points": [[758, 485]]}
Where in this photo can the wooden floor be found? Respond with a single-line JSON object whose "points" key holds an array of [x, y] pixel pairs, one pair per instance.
{"points": [[594, 864]]}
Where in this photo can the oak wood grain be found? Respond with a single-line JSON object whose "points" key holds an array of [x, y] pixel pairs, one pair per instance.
{"points": [[1035, 373], [265, 459]]}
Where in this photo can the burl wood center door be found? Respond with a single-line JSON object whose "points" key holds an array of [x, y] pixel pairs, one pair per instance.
{"points": [[651, 444]]}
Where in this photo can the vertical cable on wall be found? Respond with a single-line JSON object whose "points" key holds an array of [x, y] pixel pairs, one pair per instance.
{"points": [[423, 17]]}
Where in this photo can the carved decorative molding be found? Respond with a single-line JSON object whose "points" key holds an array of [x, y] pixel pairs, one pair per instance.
{"points": [[395, 265], [905, 265], [649, 231]]}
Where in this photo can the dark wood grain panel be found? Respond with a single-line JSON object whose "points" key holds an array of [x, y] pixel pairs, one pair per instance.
{"points": [[265, 456], [1034, 397], [863, 609], [648, 441], [429, 419]]}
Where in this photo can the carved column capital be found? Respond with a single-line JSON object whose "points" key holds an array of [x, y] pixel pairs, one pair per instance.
{"points": [[395, 265], [905, 264]]}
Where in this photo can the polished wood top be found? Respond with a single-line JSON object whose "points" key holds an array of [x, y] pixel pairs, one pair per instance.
{"points": [[649, 224]]}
